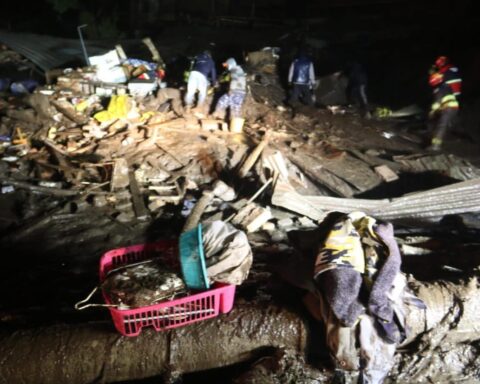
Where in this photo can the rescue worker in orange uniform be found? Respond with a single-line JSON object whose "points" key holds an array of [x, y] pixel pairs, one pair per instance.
{"points": [[446, 83]]}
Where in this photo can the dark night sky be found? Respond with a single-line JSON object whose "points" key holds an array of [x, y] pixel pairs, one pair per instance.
{"points": [[399, 36], [41, 17]]}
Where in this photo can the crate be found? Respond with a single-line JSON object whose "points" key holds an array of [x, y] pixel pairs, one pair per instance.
{"points": [[170, 314]]}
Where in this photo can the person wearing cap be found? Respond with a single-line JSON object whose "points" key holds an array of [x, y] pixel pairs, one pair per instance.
{"points": [[203, 69], [237, 90], [446, 83]]}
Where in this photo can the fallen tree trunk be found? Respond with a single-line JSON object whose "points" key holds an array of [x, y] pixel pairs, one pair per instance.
{"points": [[442, 297], [96, 353]]}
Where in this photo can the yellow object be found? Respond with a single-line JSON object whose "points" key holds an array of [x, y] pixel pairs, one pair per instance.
{"points": [[448, 101], [118, 107], [236, 125], [351, 243], [21, 139], [146, 116], [52, 133], [383, 112], [80, 107]]}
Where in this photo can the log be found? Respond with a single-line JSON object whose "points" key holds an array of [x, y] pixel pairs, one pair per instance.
{"points": [[441, 297], [95, 353]]}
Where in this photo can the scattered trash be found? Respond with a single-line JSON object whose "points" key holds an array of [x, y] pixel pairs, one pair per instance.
{"points": [[7, 189]]}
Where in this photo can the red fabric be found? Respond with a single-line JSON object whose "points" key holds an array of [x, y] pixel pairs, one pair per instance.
{"points": [[444, 68], [456, 87], [441, 61], [435, 79]]}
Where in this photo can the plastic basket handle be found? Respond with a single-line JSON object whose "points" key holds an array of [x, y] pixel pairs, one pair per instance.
{"points": [[82, 304]]}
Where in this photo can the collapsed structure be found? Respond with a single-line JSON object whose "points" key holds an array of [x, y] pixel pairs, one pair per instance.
{"points": [[82, 151]]}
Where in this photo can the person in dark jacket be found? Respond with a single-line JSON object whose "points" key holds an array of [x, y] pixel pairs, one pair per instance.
{"points": [[203, 69], [357, 87], [301, 77], [446, 83]]}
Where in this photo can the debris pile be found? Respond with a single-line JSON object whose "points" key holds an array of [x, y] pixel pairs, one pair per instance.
{"points": [[111, 147]]}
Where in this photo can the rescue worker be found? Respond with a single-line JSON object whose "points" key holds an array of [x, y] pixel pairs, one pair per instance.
{"points": [[446, 83], [237, 89], [357, 87], [301, 77], [203, 68]]}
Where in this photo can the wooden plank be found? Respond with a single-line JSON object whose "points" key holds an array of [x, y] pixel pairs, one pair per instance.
{"points": [[319, 175], [141, 211]]}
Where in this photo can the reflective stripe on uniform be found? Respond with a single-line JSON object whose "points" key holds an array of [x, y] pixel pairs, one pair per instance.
{"points": [[437, 141], [449, 101]]}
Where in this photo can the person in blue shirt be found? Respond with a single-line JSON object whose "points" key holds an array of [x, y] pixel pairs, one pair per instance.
{"points": [[203, 69], [301, 77]]}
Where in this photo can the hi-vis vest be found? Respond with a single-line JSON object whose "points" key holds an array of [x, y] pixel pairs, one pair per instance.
{"points": [[444, 98]]}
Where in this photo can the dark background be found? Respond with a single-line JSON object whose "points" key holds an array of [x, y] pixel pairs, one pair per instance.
{"points": [[396, 40]]}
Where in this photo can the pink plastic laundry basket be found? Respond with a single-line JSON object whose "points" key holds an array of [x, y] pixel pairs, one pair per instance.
{"points": [[169, 314]]}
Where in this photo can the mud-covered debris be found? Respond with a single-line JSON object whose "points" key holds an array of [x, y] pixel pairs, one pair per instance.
{"points": [[284, 366], [142, 284]]}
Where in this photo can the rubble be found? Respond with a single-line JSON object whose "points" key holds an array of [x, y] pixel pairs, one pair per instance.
{"points": [[83, 151]]}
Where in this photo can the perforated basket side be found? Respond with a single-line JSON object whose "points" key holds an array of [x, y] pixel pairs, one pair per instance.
{"points": [[175, 313]]}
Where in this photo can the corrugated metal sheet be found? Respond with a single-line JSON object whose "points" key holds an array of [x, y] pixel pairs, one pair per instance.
{"points": [[432, 205], [49, 52]]}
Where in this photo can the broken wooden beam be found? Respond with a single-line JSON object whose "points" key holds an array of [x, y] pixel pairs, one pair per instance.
{"points": [[253, 157]]}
